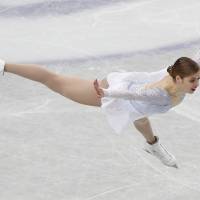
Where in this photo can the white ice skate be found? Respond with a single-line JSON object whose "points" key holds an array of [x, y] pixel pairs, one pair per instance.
{"points": [[2, 65], [159, 151]]}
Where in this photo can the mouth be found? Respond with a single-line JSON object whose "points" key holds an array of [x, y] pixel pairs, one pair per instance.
{"points": [[193, 89]]}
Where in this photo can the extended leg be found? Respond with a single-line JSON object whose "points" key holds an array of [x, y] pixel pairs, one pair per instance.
{"points": [[30, 71], [74, 88]]}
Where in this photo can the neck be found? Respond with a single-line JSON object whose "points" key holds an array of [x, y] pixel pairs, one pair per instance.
{"points": [[172, 87]]}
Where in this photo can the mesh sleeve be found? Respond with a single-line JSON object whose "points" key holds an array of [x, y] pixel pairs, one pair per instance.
{"points": [[154, 95]]}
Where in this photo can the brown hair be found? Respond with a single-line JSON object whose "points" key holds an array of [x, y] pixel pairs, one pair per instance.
{"points": [[183, 67]]}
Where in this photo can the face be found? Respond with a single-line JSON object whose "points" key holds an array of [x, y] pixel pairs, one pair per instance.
{"points": [[189, 84]]}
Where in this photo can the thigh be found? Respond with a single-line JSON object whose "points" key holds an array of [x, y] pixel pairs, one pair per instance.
{"points": [[80, 90]]}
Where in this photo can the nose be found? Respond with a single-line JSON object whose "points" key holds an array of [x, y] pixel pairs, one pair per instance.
{"points": [[197, 85]]}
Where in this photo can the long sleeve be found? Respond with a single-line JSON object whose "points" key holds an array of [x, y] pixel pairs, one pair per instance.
{"points": [[154, 95]]}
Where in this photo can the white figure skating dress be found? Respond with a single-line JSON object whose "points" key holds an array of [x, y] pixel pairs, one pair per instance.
{"points": [[126, 100]]}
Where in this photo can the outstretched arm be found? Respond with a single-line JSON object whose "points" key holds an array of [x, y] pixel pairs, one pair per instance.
{"points": [[152, 94]]}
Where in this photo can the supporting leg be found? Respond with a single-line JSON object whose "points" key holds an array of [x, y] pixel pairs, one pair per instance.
{"points": [[143, 126]]}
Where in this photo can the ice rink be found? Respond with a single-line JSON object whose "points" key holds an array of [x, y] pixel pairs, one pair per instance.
{"points": [[52, 148]]}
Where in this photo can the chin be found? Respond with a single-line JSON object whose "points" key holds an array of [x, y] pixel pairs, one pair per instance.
{"points": [[191, 92]]}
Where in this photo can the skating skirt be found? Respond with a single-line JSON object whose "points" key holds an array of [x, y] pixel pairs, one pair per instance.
{"points": [[120, 112]]}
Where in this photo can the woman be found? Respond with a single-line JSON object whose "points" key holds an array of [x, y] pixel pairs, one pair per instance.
{"points": [[124, 96]]}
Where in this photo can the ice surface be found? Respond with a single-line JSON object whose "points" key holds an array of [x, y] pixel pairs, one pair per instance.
{"points": [[53, 148], [107, 30]]}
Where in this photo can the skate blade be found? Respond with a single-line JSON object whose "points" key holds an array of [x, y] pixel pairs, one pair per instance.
{"points": [[175, 166], [147, 151]]}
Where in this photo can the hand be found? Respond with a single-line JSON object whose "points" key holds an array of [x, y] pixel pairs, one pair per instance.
{"points": [[100, 92]]}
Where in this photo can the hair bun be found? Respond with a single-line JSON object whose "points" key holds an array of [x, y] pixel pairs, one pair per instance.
{"points": [[169, 69]]}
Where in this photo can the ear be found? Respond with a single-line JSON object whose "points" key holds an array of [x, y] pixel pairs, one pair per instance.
{"points": [[179, 79]]}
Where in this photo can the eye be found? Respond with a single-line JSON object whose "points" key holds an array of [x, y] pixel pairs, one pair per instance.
{"points": [[192, 81]]}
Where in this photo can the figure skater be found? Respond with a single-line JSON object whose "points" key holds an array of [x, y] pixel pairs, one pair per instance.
{"points": [[124, 96]]}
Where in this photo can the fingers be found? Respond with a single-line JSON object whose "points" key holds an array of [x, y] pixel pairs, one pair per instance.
{"points": [[96, 86], [95, 83], [98, 89]]}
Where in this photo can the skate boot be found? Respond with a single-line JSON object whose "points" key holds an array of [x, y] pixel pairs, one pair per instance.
{"points": [[159, 151]]}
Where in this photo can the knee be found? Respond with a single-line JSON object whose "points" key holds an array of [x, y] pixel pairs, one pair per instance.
{"points": [[46, 76], [49, 78], [55, 83]]}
